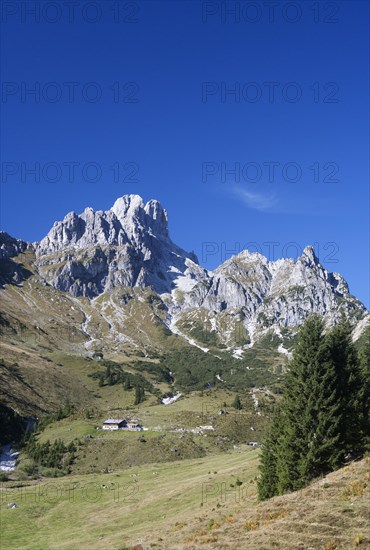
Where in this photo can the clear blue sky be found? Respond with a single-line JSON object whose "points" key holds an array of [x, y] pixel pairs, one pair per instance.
{"points": [[176, 63]]}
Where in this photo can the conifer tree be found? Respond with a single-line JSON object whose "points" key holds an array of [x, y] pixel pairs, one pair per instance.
{"points": [[349, 387], [364, 362], [139, 395], [127, 384], [267, 483], [237, 403], [323, 414], [298, 406]]}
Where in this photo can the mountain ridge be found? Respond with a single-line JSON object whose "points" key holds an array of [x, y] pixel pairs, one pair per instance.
{"points": [[128, 246]]}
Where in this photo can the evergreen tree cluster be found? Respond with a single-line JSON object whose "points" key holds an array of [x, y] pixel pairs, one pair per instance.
{"points": [[139, 395], [195, 370], [114, 374], [66, 410], [51, 455], [237, 403], [323, 416]]}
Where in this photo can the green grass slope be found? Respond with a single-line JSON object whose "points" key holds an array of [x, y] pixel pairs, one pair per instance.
{"points": [[200, 503]]}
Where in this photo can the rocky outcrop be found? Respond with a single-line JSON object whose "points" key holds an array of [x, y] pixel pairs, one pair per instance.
{"points": [[129, 245], [10, 247], [270, 294]]}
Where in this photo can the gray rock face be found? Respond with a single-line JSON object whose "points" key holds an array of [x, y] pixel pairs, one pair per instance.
{"points": [[275, 294], [129, 245], [129, 221], [10, 247]]}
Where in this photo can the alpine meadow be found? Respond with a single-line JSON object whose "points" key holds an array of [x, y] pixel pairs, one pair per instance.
{"points": [[184, 275]]}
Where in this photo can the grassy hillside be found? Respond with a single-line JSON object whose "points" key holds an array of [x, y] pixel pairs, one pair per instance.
{"points": [[188, 428], [51, 343], [189, 479], [207, 503], [114, 511]]}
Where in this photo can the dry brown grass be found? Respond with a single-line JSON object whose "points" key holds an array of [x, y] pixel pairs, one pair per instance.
{"points": [[331, 514]]}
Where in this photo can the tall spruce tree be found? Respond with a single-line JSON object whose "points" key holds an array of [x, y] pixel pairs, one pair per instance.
{"points": [[267, 482], [322, 420], [139, 395], [344, 357], [319, 418], [364, 360], [299, 408]]}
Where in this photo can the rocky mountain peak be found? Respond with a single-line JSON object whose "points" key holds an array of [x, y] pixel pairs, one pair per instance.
{"points": [[129, 245], [137, 217], [309, 257], [10, 247], [158, 217], [128, 207], [128, 221]]}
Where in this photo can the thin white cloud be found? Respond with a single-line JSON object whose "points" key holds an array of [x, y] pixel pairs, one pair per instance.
{"points": [[257, 201]]}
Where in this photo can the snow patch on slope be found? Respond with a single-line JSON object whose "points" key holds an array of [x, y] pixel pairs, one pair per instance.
{"points": [[169, 400], [173, 328]]}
